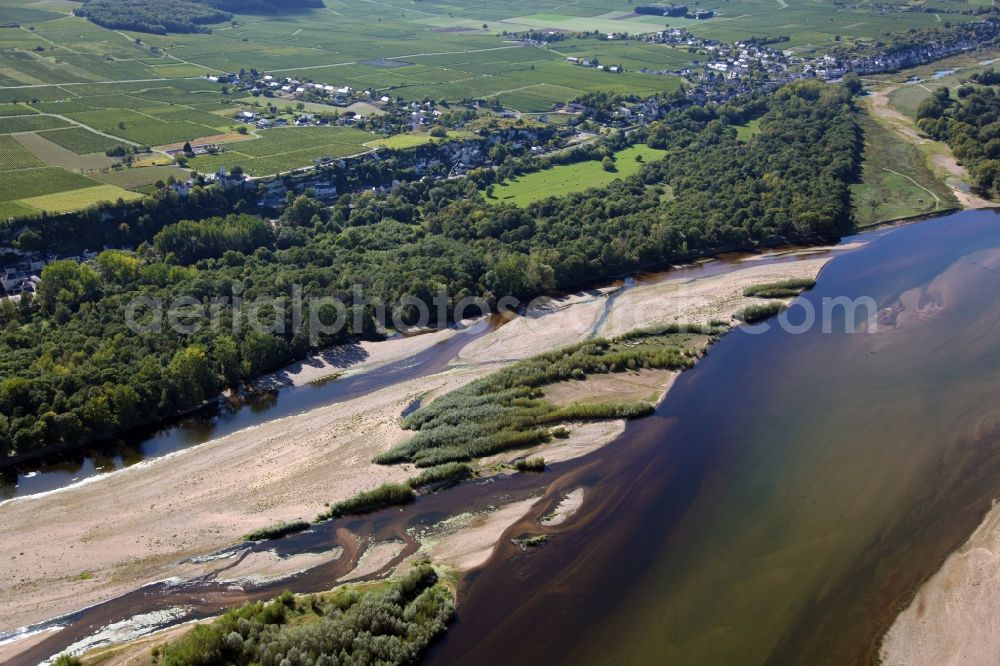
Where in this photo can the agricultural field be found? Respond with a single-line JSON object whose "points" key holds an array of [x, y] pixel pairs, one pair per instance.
{"points": [[62, 76], [14, 156], [139, 179], [284, 149], [154, 126], [576, 177], [30, 191], [630, 55], [52, 154], [442, 50], [30, 123], [81, 141], [525, 78], [64, 202], [27, 183], [15, 110]]}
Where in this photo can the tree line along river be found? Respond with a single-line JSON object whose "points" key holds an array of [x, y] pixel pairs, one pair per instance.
{"points": [[781, 506]]}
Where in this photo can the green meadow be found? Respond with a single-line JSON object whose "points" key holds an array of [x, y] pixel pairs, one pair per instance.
{"points": [[566, 178], [413, 139], [746, 131], [948, 73], [63, 202], [896, 182]]}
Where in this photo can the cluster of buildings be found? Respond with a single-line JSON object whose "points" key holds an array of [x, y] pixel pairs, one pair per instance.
{"points": [[16, 282], [721, 72], [890, 7], [586, 62], [724, 71], [833, 67], [225, 180], [266, 84], [730, 61], [414, 114], [727, 70], [265, 121], [444, 160], [22, 277], [195, 149], [423, 114], [294, 90], [734, 61]]}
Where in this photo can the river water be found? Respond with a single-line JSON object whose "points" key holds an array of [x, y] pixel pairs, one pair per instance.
{"points": [[227, 416], [789, 495], [779, 507]]}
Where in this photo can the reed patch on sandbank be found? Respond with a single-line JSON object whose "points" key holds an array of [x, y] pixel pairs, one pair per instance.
{"points": [[753, 314], [277, 531], [782, 289], [508, 410]]}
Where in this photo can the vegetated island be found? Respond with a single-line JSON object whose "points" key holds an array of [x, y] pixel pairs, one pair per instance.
{"points": [[612, 372]]}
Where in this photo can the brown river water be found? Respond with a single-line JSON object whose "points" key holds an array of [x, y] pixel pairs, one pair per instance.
{"points": [[790, 494], [780, 507]]}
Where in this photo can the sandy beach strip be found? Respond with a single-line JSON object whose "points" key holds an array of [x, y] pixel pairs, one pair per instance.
{"points": [[94, 541], [351, 359], [699, 300], [88, 543], [953, 618]]}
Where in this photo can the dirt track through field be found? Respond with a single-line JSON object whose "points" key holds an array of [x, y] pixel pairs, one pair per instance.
{"points": [[956, 176]]}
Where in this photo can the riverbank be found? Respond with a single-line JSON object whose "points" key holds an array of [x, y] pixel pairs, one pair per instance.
{"points": [[343, 361], [953, 617], [122, 530], [352, 359], [937, 154], [790, 493]]}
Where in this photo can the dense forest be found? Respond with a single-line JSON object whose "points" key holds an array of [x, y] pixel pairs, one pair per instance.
{"points": [[970, 124], [120, 224], [158, 17], [73, 371], [392, 625], [163, 16]]}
